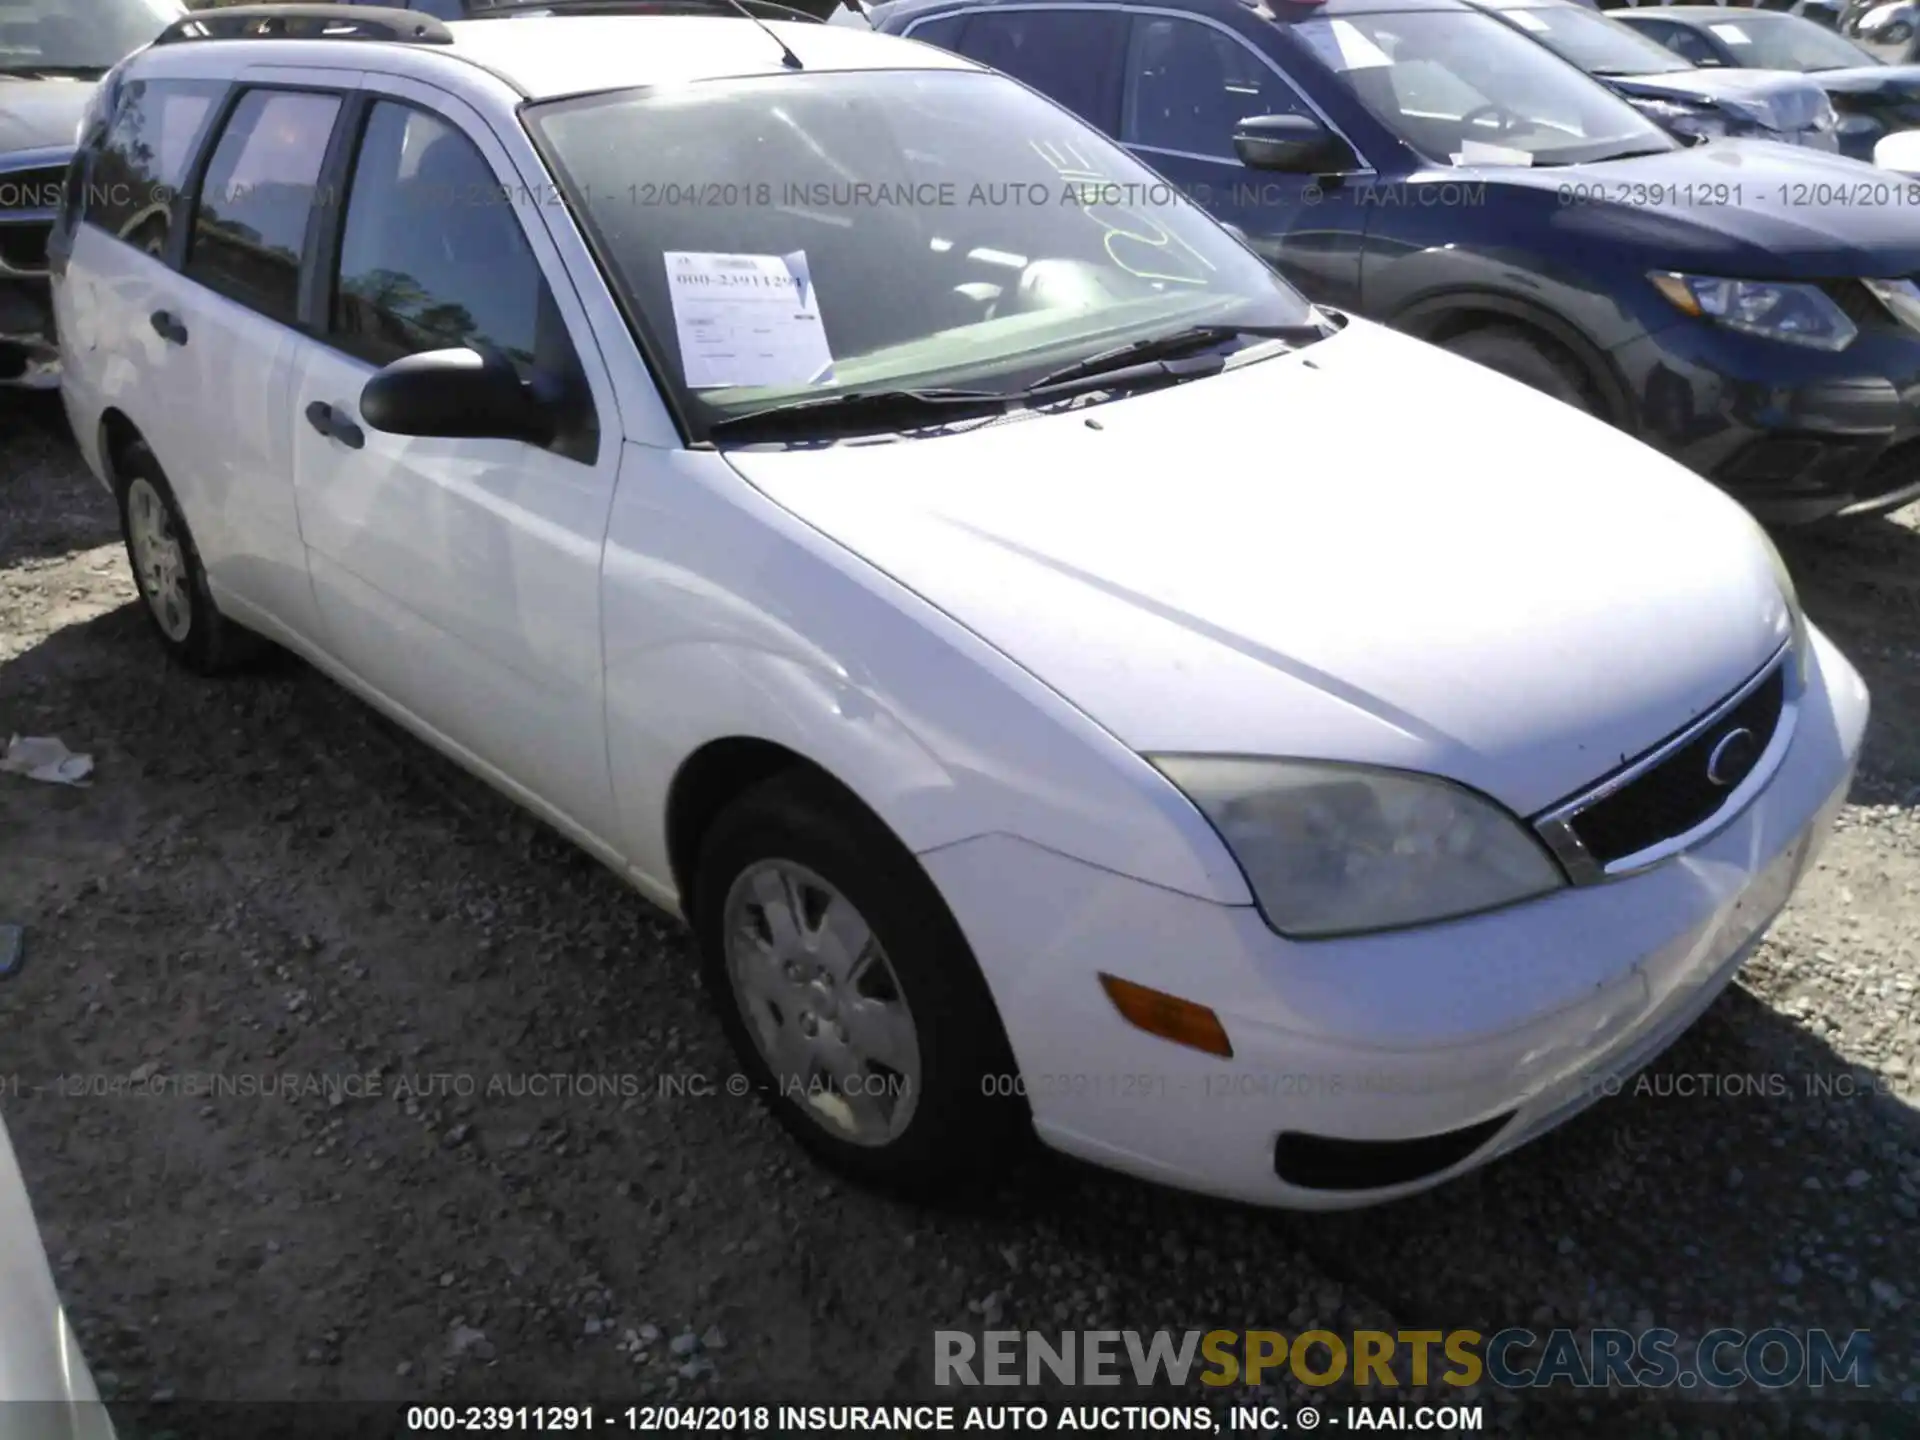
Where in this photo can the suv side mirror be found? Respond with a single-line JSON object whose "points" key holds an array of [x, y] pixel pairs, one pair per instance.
{"points": [[1297, 144], [455, 394]]}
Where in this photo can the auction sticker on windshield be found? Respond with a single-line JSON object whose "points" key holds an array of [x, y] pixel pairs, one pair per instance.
{"points": [[745, 320]]}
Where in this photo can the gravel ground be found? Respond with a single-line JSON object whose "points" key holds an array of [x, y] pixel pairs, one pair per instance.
{"points": [[267, 879]]}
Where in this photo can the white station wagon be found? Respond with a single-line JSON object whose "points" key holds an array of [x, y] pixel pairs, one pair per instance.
{"points": [[1068, 681]]}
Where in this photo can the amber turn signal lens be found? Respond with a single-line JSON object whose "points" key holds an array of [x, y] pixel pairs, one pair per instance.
{"points": [[1168, 1016]]}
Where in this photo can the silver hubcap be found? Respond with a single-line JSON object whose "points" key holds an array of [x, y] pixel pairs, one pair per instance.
{"points": [[158, 561], [822, 1002]]}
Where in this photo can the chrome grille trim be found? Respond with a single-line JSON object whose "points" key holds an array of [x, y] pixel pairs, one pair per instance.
{"points": [[44, 157], [1555, 826]]}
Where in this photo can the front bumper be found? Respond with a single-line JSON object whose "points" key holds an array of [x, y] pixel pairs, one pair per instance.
{"points": [[1444, 1046], [1795, 435], [31, 186]]}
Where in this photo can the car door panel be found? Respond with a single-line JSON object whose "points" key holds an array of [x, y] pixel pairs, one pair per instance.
{"points": [[459, 578], [118, 274], [239, 317]]}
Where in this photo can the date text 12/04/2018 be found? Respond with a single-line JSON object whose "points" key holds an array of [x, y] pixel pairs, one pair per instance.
{"points": [[1797, 195], [750, 1420]]}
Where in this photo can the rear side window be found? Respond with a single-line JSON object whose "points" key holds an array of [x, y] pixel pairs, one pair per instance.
{"points": [[251, 222], [1070, 56], [142, 162]]}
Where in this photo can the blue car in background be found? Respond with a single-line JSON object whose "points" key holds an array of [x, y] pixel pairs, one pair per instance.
{"points": [[1742, 305], [1676, 95], [1874, 98]]}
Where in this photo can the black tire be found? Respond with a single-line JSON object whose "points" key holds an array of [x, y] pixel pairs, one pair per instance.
{"points": [[209, 643], [965, 1124], [1529, 359]]}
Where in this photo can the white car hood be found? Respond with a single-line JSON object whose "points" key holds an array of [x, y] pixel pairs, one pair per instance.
{"points": [[40, 1359], [1369, 550]]}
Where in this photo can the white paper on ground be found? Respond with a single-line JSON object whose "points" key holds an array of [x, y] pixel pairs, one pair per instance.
{"points": [[745, 320], [42, 757], [1342, 45], [1732, 34], [1476, 152]]}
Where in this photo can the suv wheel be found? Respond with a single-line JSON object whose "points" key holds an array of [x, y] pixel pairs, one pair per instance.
{"points": [[167, 570], [1519, 356], [849, 994]]}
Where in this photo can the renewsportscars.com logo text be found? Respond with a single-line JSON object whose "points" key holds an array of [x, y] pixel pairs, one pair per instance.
{"points": [[1514, 1359]]}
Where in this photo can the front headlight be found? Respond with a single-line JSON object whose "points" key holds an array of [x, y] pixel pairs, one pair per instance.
{"points": [[1797, 314], [1791, 593], [1333, 849], [1901, 297]]}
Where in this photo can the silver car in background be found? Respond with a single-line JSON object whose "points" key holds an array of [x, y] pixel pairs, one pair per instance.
{"points": [[46, 1390]]}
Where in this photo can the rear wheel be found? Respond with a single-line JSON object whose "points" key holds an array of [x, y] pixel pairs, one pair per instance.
{"points": [[1532, 361], [849, 994], [168, 572]]}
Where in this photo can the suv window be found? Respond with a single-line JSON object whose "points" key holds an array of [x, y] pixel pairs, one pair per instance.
{"points": [[432, 255], [1188, 85], [944, 31], [250, 226], [142, 162], [1070, 56]]}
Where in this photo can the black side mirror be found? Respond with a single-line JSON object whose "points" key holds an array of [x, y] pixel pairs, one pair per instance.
{"points": [[1297, 144], [455, 394]]}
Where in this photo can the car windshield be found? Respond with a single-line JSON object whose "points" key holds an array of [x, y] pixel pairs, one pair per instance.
{"points": [[77, 36], [811, 235], [1760, 41], [1597, 44], [1461, 86]]}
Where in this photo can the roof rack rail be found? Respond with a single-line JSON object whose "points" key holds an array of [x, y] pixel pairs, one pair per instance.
{"points": [[752, 9], [307, 22]]}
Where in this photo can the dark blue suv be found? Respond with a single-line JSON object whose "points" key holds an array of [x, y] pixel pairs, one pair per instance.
{"points": [[1747, 307]]}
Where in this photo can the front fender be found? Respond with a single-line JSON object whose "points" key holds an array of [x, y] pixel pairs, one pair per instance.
{"points": [[725, 616]]}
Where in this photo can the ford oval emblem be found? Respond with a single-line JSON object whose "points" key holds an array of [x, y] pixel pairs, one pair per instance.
{"points": [[1733, 755]]}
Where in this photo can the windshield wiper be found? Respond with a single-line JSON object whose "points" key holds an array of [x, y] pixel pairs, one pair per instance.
{"points": [[1156, 360], [1174, 343], [1632, 152], [859, 408], [877, 411]]}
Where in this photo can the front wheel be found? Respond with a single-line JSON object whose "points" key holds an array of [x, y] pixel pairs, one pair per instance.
{"points": [[849, 994]]}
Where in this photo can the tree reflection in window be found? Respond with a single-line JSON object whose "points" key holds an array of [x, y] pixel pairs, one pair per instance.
{"points": [[432, 256], [251, 222]]}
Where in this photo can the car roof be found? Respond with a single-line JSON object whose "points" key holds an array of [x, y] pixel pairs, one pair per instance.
{"points": [[1528, 4], [1729, 13], [547, 56], [552, 55], [1217, 9]]}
